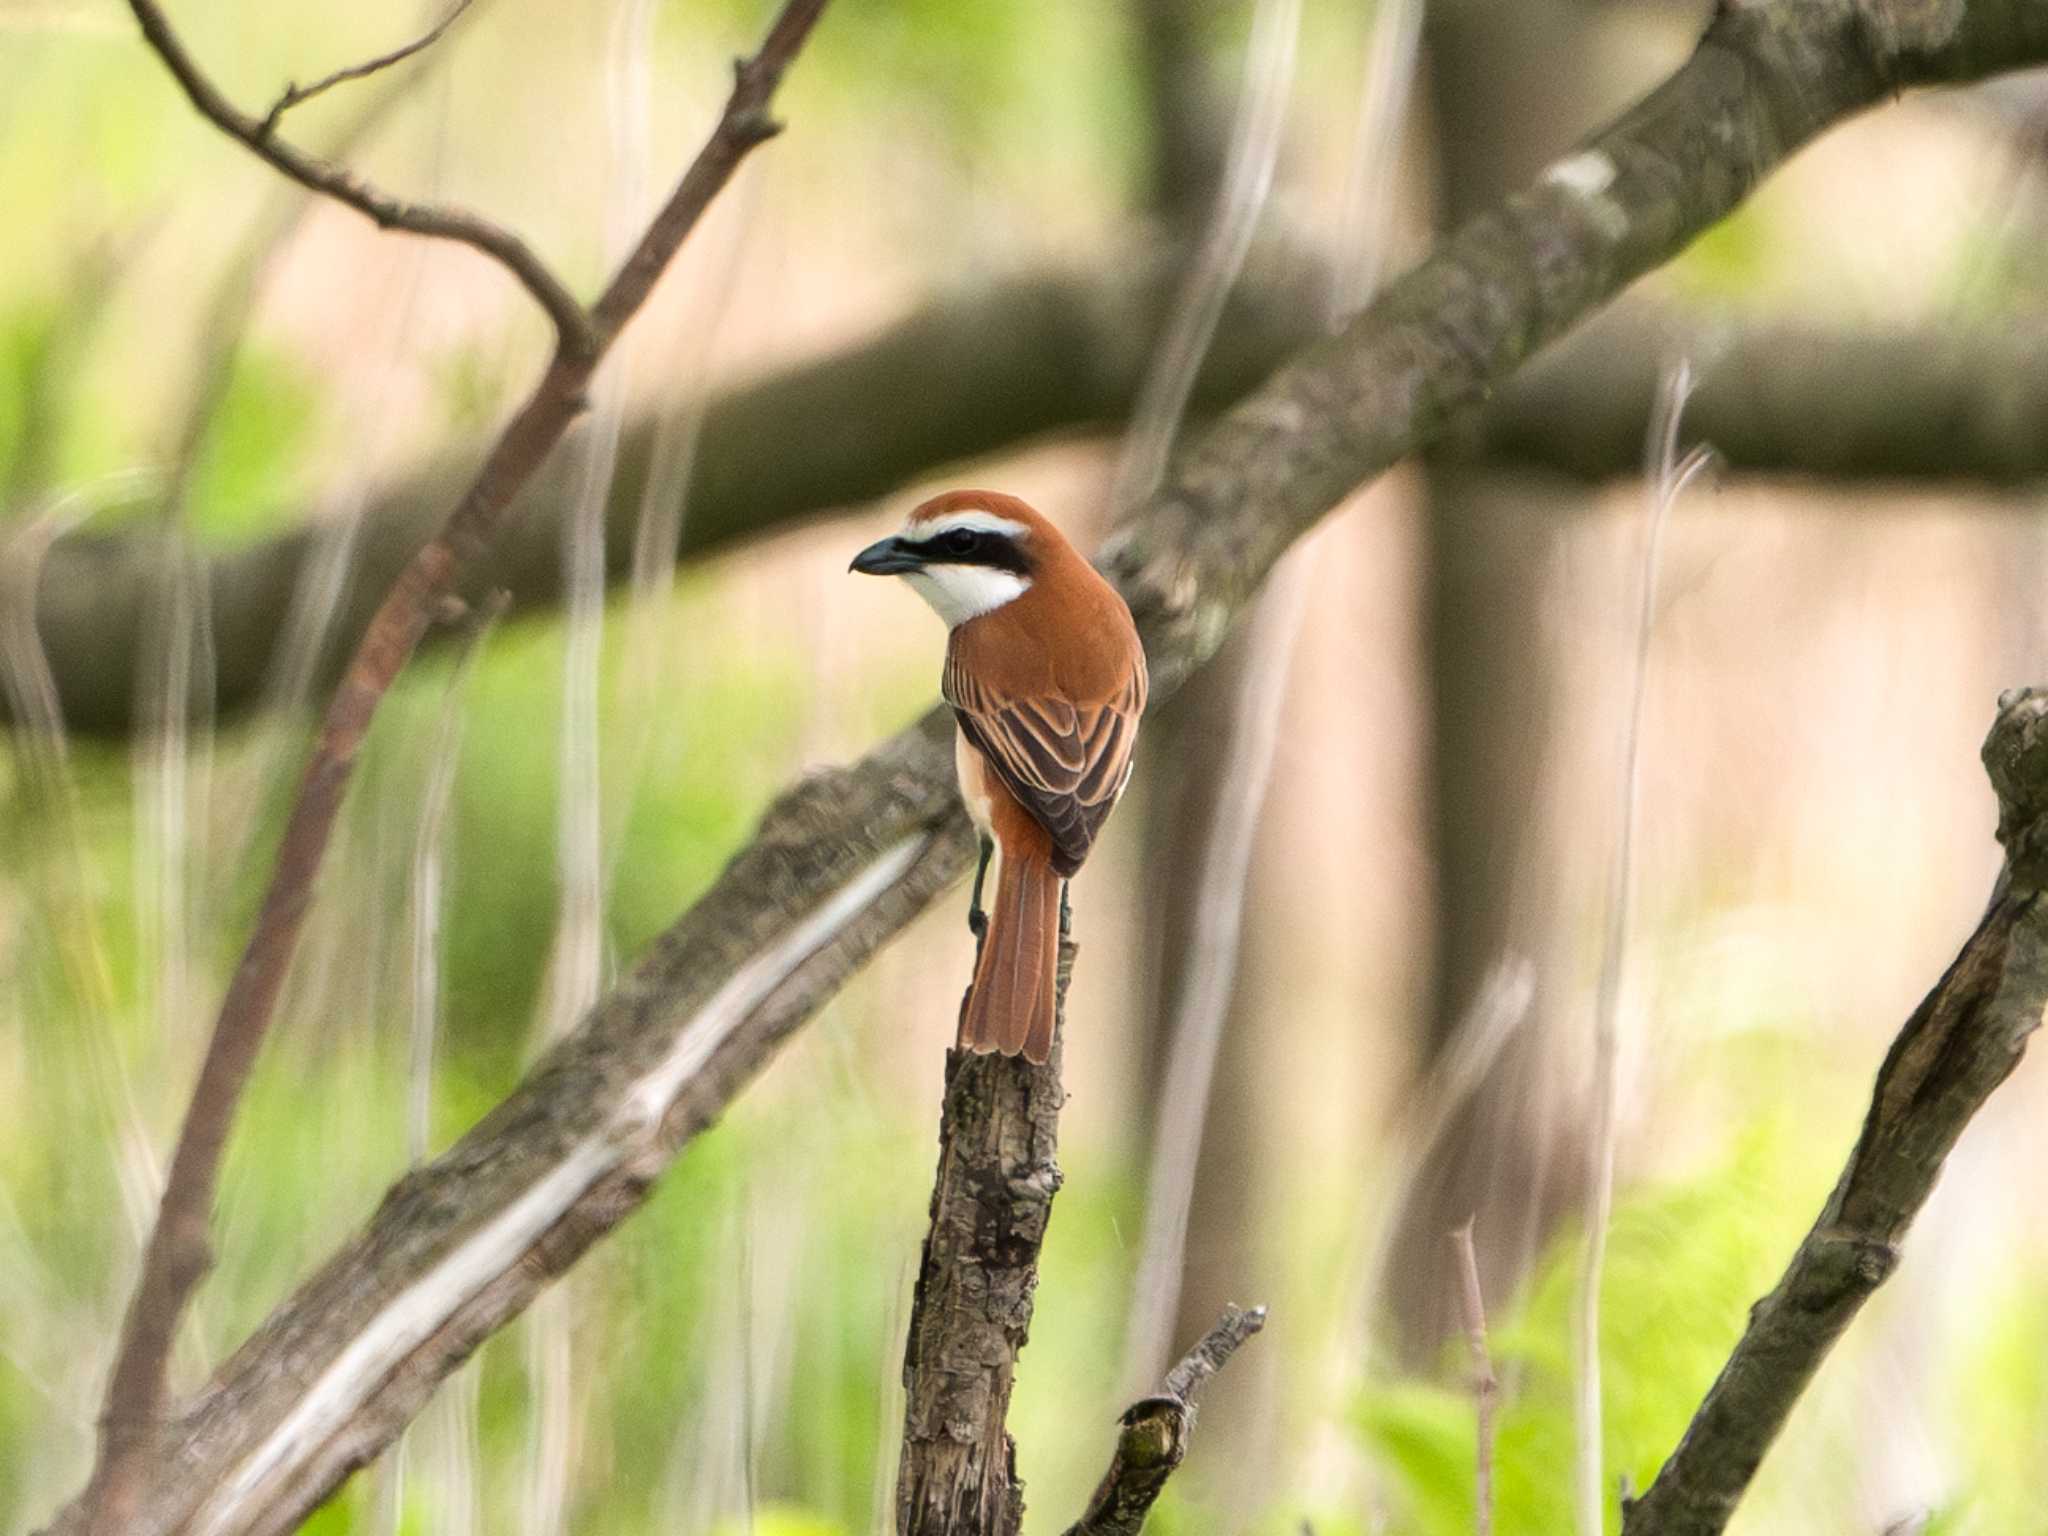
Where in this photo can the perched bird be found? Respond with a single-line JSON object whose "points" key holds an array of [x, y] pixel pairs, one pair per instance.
{"points": [[1046, 677]]}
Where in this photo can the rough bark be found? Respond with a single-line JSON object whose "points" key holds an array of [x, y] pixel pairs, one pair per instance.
{"points": [[1962, 1041], [976, 1283], [847, 858]]}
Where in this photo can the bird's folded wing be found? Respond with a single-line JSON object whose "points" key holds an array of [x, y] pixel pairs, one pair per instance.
{"points": [[1065, 762]]}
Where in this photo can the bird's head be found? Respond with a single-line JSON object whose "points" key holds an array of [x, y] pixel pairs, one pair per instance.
{"points": [[966, 552]]}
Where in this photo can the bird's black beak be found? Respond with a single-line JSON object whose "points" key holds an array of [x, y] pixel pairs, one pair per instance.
{"points": [[885, 557]]}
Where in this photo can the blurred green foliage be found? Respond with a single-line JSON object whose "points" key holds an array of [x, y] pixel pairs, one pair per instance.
{"points": [[810, 1197], [1684, 1263], [257, 448], [1682, 1267]]}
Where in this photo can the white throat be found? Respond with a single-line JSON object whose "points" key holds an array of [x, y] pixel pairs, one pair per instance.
{"points": [[958, 593]]}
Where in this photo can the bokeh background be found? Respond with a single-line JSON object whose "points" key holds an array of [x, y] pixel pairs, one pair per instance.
{"points": [[1367, 862]]}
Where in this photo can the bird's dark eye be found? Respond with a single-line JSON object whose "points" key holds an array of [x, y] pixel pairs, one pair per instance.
{"points": [[962, 541]]}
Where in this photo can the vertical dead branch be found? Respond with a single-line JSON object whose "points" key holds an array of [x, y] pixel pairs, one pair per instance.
{"points": [[1153, 1440], [1961, 1042], [178, 1255], [971, 1312]]}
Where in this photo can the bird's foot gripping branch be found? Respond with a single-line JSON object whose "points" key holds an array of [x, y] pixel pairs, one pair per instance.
{"points": [[1962, 1041]]}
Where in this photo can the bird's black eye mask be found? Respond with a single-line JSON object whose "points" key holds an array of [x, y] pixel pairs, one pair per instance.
{"points": [[969, 546]]}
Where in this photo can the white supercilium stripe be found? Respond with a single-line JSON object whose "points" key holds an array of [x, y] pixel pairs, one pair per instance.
{"points": [[979, 521], [423, 1307]]}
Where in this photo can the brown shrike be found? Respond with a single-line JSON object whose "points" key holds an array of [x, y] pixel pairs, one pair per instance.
{"points": [[1047, 680]]}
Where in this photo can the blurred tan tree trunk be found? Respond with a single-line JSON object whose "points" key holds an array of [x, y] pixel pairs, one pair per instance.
{"points": [[1189, 778], [1183, 170], [1511, 83]]}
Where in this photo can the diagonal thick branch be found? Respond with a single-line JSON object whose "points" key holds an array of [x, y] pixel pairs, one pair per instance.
{"points": [[849, 858], [177, 1255], [1962, 1041]]}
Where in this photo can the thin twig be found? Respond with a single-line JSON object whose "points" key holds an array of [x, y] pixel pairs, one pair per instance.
{"points": [[744, 124], [573, 331], [293, 94], [1485, 1385], [178, 1253], [1214, 1351], [1153, 1440]]}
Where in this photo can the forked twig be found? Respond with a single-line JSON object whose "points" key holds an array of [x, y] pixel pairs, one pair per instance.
{"points": [[573, 329], [293, 94], [427, 589]]}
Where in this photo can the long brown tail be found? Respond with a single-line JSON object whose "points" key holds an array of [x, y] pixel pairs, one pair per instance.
{"points": [[1010, 1008]]}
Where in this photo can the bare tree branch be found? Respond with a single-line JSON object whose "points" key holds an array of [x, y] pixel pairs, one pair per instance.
{"points": [[846, 859], [973, 373], [1783, 396], [1762, 82], [1153, 1439], [573, 330], [1962, 1041], [964, 375], [177, 1255], [998, 1172], [293, 94]]}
